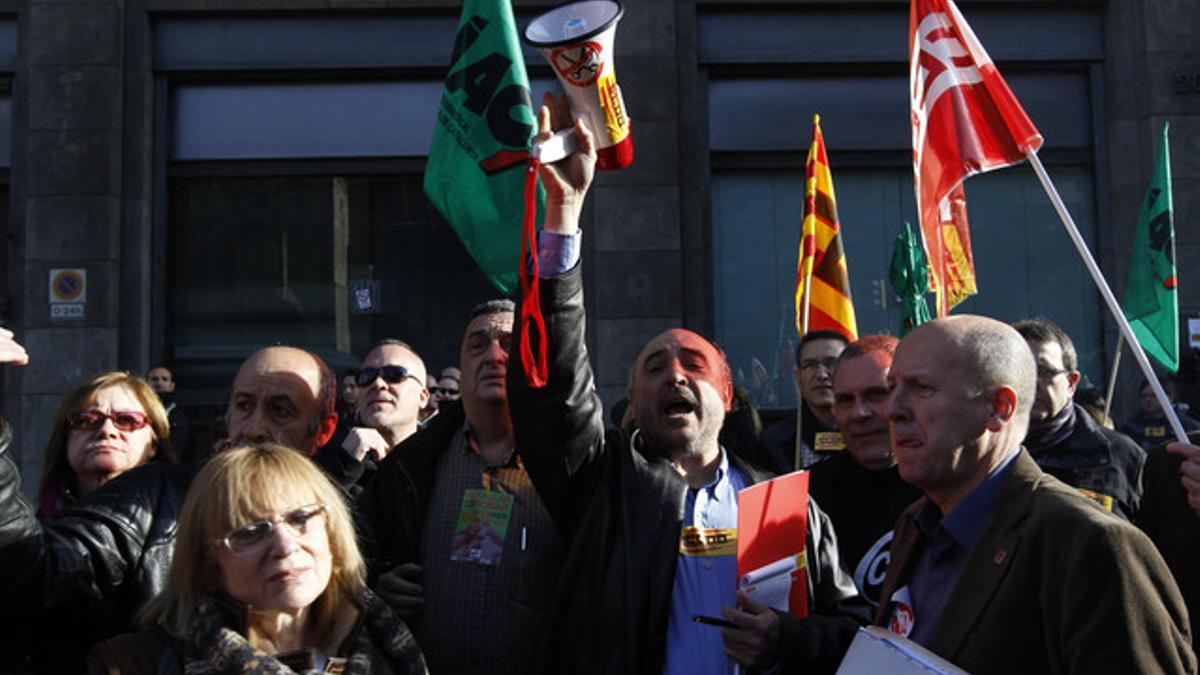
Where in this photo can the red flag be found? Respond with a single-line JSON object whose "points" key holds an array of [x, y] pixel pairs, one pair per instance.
{"points": [[965, 120]]}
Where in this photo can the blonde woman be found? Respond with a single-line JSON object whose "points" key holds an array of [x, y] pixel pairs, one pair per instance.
{"points": [[266, 578]]}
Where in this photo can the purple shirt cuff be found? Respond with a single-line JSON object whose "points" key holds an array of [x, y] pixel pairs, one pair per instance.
{"points": [[557, 253]]}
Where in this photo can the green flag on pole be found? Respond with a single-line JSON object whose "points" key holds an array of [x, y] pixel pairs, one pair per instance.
{"points": [[475, 175], [1151, 297], [910, 279]]}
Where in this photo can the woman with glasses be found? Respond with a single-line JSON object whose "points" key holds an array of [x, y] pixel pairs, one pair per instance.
{"points": [[105, 427], [266, 578]]}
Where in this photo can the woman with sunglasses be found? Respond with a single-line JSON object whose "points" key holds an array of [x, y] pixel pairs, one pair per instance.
{"points": [[105, 427], [266, 578]]}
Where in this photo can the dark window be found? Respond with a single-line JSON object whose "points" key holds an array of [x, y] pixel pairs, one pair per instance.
{"points": [[256, 261]]}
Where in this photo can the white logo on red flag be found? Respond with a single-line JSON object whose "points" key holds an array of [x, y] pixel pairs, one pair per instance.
{"points": [[965, 120]]}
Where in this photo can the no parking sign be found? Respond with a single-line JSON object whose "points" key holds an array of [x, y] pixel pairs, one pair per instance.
{"points": [[68, 293]]}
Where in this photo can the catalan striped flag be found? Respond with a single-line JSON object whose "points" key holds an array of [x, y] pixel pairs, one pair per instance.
{"points": [[822, 283]]}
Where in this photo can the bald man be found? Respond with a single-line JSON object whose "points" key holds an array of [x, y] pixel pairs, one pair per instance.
{"points": [[104, 558], [1002, 568], [652, 516], [391, 393]]}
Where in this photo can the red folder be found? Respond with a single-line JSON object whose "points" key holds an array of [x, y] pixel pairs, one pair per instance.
{"points": [[772, 527]]}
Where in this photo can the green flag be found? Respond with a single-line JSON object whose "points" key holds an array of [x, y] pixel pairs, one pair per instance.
{"points": [[1151, 298], [910, 278], [476, 171]]}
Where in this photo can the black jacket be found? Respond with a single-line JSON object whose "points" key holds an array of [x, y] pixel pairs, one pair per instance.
{"points": [[391, 509], [1105, 464], [97, 562], [622, 511]]}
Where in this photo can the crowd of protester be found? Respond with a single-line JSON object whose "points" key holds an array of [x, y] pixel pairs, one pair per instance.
{"points": [[390, 520]]}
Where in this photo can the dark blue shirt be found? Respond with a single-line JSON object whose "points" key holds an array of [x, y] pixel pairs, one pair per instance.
{"points": [[948, 544]]}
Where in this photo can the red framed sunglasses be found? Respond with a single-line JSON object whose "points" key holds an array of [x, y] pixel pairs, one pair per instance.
{"points": [[123, 420]]}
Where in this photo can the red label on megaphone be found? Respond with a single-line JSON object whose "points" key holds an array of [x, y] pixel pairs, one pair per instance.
{"points": [[578, 64]]}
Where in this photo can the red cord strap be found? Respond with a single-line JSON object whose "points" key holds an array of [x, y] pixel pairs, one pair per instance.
{"points": [[537, 369]]}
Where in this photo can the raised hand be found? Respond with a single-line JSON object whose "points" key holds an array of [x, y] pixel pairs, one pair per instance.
{"points": [[567, 180]]}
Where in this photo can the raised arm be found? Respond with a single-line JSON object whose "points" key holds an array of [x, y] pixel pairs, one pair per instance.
{"points": [[559, 428]]}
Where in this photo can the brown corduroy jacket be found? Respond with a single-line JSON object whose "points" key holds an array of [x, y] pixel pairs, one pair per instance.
{"points": [[1054, 585]]}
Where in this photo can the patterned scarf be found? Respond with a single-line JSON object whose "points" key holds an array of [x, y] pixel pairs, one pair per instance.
{"points": [[215, 649]]}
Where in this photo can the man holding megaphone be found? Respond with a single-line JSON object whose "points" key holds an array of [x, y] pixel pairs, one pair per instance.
{"points": [[630, 505]]}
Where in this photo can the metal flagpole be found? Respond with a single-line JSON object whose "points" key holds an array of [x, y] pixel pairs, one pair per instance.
{"points": [[1105, 292], [1112, 376], [807, 285]]}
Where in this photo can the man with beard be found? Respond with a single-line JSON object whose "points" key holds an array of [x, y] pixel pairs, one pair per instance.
{"points": [[652, 515], [861, 489], [1064, 439]]}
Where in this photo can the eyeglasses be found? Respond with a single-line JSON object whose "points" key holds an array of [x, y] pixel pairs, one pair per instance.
{"points": [[390, 374], [1045, 373], [443, 390], [828, 364], [123, 420], [248, 538]]}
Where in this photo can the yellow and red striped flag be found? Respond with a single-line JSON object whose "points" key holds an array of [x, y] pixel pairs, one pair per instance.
{"points": [[823, 299]]}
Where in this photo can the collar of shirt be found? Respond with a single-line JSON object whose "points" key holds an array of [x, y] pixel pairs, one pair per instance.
{"points": [[965, 523], [722, 472], [471, 446]]}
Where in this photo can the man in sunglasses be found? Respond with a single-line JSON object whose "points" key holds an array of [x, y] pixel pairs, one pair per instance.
{"points": [[102, 560], [459, 542], [448, 384], [391, 394]]}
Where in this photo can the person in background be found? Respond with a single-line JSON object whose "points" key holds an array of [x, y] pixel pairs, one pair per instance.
{"points": [[104, 427], [1149, 427], [347, 405], [162, 381], [431, 403], [1170, 516], [1064, 439], [448, 388], [266, 578], [861, 489], [816, 357]]}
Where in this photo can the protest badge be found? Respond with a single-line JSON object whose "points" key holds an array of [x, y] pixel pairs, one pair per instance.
{"points": [[482, 526], [829, 441]]}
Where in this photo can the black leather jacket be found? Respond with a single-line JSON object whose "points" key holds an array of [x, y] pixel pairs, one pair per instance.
{"points": [[390, 511], [622, 511], [95, 564]]}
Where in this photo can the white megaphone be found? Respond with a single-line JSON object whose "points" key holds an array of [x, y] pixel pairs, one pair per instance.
{"points": [[577, 39]]}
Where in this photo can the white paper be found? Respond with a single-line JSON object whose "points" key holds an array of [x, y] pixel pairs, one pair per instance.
{"points": [[770, 584]]}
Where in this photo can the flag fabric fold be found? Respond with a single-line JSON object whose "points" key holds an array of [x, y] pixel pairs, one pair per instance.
{"points": [[485, 124], [1151, 297], [823, 300], [909, 276], [965, 120]]}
